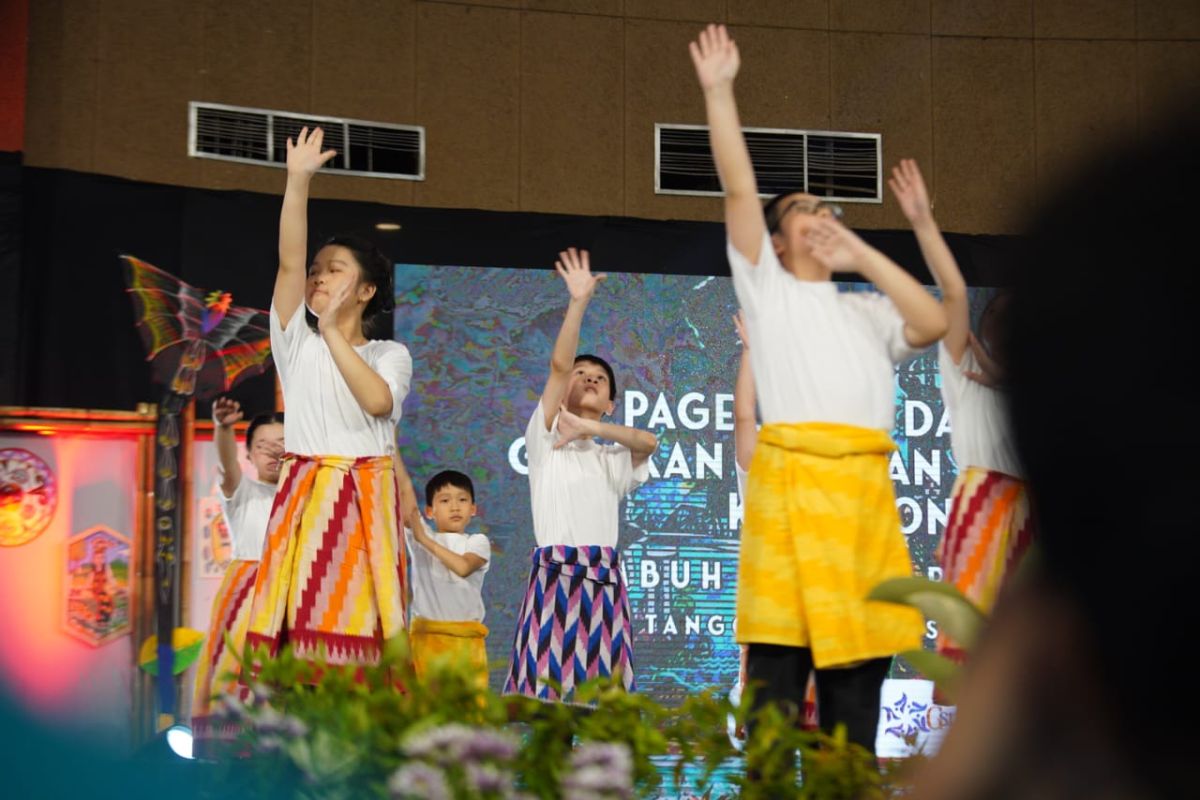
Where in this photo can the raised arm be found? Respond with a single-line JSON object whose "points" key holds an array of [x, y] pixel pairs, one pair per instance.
{"points": [[909, 188], [842, 250], [575, 269], [303, 159], [715, 56], [745, 412], [461, 565], [226, 413], [641, 444]]}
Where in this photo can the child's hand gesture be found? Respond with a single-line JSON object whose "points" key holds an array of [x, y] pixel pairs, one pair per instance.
{"points": [[990, 372], [337, 299], [838, 247], [570, 427], [909, 188], [715, 56], [305, 156], [574, 267], [226, 411]]}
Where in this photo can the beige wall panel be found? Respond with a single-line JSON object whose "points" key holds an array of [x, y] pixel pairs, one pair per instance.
{"points": [[468, 95], [881, 84], [572, 109], [1086, 98], [145, 83], [1168, 79], [810, 14], [1168, 19], [613, 8], [694, 10], [258, 54], [976, 18], [60, 109], [982, 176], [1085, 19], [883, 16]]}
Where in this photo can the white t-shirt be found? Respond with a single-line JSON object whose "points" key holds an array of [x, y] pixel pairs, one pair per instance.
{"points": [[576, 490], [322, 416], [438, 593], [741, 480], [819, 355], [247, 514], [979, 432]]}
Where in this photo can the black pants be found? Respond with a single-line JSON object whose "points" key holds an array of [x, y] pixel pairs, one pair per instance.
{"points": [[846, 695]]}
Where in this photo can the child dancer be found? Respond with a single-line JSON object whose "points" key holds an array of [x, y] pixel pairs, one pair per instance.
{"points": [[332, 579], [990, 525], [574, 622], [246, 507], [821, 527]]}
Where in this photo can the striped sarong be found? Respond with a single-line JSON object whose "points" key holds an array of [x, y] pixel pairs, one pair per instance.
{"points": [[574, 624], [218, 666], [464, 643], [332, 582], [989, 530], [821, 531]]}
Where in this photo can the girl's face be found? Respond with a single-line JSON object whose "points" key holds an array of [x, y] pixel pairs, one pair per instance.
{"points": [[332, 269]]}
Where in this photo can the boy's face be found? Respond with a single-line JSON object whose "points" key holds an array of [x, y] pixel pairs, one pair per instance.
{"points": [[797, 213], [588, 391], [266, 451], [451, 509]]}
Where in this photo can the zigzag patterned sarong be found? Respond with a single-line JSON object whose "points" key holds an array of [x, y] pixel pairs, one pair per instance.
{"points": [[332, 578], [574, 623], [821, 531], [218, 666], [990, 529]]}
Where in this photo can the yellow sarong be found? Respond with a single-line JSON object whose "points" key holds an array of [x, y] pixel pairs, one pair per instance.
{"points": [[821, 531], [464, 642]]}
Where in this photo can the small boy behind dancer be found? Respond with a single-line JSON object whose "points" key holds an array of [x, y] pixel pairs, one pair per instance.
{"points": [[448, 566], [990, 525], [574, 622], [821, 528]]}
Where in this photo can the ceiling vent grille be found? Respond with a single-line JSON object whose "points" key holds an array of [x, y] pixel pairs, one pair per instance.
{"points": [[259, 136], [833, 165]]}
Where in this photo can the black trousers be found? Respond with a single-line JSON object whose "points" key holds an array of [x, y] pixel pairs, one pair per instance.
{"points": [[846, 695]]}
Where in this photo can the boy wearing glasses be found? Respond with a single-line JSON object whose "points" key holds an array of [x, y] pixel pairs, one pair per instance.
{"points": [[820, 527]]}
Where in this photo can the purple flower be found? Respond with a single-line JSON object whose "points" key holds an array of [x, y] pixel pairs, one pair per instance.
{"points": [[483, 778], [599, 770], [418, 780], [454, 743]]}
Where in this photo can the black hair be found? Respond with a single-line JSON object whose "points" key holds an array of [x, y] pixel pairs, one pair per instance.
{"points": [[600, 362], [772, 211], [448, 477], [270, 418], [377, 270]]}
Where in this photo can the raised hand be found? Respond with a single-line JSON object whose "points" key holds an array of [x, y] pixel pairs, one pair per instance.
{"points": [[337, 299], [570, 427], [305, 156], [226, 411], [909, 188], [836, 246], [576, 271], [715, 56], [739, 322]]}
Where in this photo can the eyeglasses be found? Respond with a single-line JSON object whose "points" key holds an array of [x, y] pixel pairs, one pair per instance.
{"points": [[805, 206]]}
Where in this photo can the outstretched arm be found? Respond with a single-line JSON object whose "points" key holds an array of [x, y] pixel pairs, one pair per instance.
{"points": [[574, 267], [909, 188], [715, 57], [304, 158]]}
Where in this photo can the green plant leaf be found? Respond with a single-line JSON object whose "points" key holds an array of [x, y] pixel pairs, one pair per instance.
{"points": [[957, 616]]}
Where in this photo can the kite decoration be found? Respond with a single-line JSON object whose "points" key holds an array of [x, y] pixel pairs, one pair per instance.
{"points": [[199, 345]]}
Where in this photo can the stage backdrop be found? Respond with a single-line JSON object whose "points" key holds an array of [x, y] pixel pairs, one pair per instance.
{"points": [[481, 339]]}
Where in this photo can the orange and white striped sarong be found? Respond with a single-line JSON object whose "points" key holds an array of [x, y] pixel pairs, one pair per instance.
{"points": [[989, 530], [821, 531], [218, 667], [332, 581]]}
